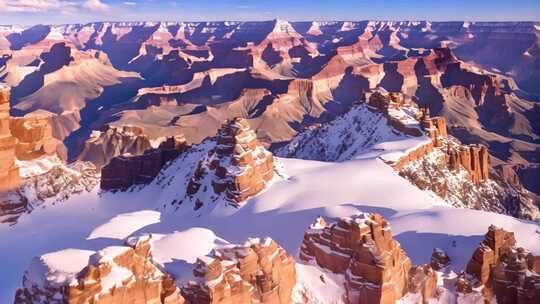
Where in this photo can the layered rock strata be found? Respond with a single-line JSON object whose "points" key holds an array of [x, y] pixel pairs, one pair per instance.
{"points": [[238, 166], [117, 274], [423, 281], [361, 248], [473, 158], [390, 105], [394, 105], [102, 147], [9, 171], [260, 271], [500, 270], [35, 139], [125, 171]]}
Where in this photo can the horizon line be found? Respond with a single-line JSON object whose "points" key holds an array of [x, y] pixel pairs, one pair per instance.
{"points": [[277, 19]]}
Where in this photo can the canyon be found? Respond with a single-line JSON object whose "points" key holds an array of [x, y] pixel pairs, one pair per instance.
{"points": [[270, 162]]}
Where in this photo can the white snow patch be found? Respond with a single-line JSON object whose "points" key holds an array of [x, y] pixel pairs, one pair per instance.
{"points": [[318, 285], [58, 268], [123, 225]]}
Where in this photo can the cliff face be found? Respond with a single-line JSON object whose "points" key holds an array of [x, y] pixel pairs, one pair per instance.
{"points": [[461, 174], [125, 171], [259, 271], [35, 137], [115, 141], [500, 270], [429, 157], [9, 171], [117, 274], [31, 166], [458, 173], [362, 248], [238, 167]]}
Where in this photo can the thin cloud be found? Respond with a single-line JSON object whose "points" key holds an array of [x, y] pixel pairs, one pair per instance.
{"points": [[40, 6], [96, 6]]}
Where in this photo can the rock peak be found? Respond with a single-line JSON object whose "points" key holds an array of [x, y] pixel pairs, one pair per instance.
{"points": [[241, 166]]}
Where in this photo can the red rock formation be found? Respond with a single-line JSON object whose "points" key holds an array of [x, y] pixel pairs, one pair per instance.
{"points": [[473, 158], [412, 156], [423, 281], [501, 270], [384, 102], [125, 171], [260, 271], [117, 274], [9, 171], [34, 134], [241, 165], [362, 248], [101, 147], [435, 127]]}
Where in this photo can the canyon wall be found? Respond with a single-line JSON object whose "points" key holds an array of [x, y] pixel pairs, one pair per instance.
{"points": [[9, 171], [474, 159], [500, 270], [123, 172], [361, 248]]}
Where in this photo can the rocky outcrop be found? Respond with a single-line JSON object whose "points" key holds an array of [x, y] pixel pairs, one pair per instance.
{"points": [[102, 147], [474, 158], [9, 171], [362, 248], [439, 259], [498, 269], [238, 166], [461, 174], [390, 104], [35, 139], [423, 281], [125, 171], [259, 271], [117, 274], [435, 127], [46, 180]]}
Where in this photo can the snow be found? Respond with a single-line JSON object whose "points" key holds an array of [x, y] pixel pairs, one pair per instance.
{"points": [[123, 225], [58, 267], [38, 166], [392, 151], [176, 252], [172, 246], [311, 285], [89, 222], [356, 134]]}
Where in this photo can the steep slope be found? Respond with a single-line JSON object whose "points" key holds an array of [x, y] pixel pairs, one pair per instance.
{"points": [[283, 211], [457, 173]]}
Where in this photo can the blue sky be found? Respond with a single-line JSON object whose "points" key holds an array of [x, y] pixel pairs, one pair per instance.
{"points": [[81, 11]]}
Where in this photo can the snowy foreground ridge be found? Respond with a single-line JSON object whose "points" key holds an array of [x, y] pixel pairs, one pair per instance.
{"points": [[420, 221], [98, 225]]}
